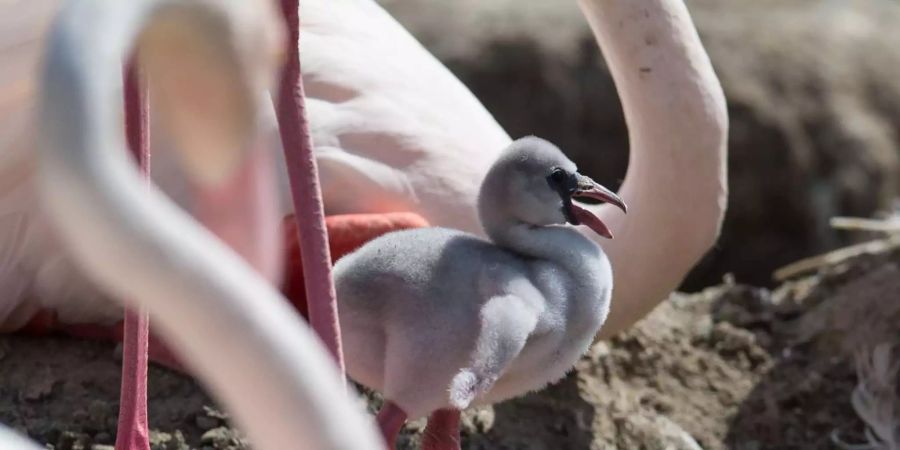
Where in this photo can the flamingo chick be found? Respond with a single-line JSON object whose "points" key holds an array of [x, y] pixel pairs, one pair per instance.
{"points": [[438, 319]]}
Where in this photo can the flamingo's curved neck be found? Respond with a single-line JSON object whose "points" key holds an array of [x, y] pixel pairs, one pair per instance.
{"points": [[142, 249], [677, 122]]}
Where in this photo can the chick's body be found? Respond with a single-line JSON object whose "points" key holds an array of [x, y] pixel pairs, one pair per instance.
{"points": [[436, 318]]}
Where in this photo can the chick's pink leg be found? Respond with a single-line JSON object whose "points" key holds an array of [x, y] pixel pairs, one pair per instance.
{"points": [[442, 431], [390, 420]]}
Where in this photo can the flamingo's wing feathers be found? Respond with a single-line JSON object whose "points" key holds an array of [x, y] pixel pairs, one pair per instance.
{"points": [[23, 25], [34, 272], [393, 116]]}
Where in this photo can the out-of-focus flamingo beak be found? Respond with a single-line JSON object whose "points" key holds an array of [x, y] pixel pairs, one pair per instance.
{"points": [[588, 188], [206, 93], [206, 90], [253, 231]]}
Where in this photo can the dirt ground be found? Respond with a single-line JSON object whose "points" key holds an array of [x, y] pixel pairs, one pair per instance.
{"points": [[732, 367]]}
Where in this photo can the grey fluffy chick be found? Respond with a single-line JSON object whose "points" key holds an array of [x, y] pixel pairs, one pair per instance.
{"points": [[435, 318]]}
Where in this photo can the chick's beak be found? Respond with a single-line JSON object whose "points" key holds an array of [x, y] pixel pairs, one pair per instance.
{"points": [[588, 188]]}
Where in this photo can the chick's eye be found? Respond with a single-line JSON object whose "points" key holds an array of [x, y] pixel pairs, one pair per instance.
{"points": [[558, 175]]}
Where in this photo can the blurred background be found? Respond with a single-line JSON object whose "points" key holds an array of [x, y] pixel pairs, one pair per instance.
{"points": [[813, 90]]}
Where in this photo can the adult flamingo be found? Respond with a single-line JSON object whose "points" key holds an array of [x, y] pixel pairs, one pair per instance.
{"points": [[395, 131], [141, 248], [411, 137]]}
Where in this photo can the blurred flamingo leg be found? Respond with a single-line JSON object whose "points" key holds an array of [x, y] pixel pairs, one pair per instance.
{"points": [[133, 432]]}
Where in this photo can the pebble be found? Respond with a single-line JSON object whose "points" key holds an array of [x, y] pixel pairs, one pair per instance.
{"points": [[117, 352], [165, 441], [206, 422], [216, 435], [103, 438]]}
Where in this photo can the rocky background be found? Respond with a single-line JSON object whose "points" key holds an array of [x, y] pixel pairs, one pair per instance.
{"points": [[813, 89]]}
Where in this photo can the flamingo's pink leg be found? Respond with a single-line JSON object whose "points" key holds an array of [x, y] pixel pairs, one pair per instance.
{"points": [[306, 192], [390, 420], [442, 431], [133, 429]]}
